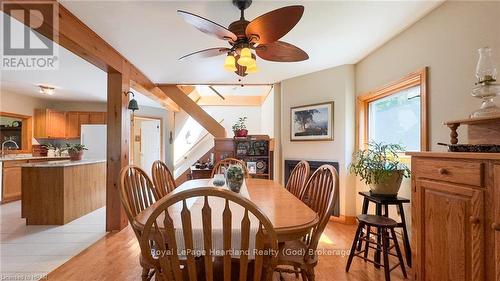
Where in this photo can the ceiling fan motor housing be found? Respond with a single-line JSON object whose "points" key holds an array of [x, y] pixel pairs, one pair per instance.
{"points": [[242, 4]]}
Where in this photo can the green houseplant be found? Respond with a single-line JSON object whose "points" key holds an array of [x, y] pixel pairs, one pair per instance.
{"points": [[75, 151], [379, 167], [240, 128], [234, 177]]}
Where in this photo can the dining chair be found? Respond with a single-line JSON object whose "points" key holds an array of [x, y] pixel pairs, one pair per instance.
{"points": [[137, 193], [160, 225], [225, 163], [321, 194], [298, 178], [163, 180]]}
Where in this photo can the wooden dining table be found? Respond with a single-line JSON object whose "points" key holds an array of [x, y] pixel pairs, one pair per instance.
{"points": [[291, 218]]}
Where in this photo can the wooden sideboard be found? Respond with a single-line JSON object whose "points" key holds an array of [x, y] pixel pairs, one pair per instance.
{"points": [[456, 216]]}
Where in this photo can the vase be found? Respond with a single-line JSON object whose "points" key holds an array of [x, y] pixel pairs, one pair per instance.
{"points": [[75, 155], [234, 183], [241, 133], [390, 186]]}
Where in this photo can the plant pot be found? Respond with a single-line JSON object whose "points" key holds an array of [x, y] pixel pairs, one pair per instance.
{"points": [[75, 155], [390, 186], [241, 133]]}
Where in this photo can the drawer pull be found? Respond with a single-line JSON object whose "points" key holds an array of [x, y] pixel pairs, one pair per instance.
{"points": [[443, 171], [495, 226], [473, 220]]}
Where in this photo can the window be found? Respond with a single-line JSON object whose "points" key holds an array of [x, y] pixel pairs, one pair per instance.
{"points": [[396, 113]]}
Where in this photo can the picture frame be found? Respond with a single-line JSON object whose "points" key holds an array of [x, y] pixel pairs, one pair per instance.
{"points": [[312, 122], [252, 167]]}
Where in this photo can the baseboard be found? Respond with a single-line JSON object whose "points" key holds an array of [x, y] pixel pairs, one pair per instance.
{"points": [[344, 219]]}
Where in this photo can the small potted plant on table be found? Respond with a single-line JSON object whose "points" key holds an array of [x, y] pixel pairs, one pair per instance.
{"points": [[240, 128], [379, 167], [234, 177], [75, 151]]}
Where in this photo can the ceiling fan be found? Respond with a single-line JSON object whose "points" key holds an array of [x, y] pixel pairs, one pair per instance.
{"points": [[260, 35]]}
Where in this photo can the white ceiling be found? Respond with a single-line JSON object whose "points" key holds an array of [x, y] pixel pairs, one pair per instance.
{"points": [[152, 36]]}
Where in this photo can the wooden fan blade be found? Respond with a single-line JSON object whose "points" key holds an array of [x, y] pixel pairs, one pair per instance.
{"points": [[270, 27], [281, 52], [212, 52], [207, 26]]}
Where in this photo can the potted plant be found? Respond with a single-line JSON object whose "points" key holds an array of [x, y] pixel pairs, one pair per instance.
{"points": [[379, 167], [75, 151], [234, 177], [240, 128], [51, 149]]}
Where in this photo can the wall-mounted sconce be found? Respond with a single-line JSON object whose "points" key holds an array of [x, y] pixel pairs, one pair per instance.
{"points": [[132, 104]]}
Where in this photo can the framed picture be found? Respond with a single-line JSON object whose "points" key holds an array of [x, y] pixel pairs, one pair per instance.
{"points": [[313, 122], [252, 167]]}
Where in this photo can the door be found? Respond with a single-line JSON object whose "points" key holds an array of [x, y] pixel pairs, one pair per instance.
{"points": [[56, 124], [449, 230], [150, 143], [72, 125], [97, 118]]}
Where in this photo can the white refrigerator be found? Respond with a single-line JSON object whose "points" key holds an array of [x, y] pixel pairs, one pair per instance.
{"points": [[94, 139]]}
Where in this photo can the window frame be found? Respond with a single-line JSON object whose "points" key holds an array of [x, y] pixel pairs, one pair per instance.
{"points": [[417, 78]]}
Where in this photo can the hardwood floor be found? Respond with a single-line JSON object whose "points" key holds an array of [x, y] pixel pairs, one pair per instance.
{"points": [[116, 257]]}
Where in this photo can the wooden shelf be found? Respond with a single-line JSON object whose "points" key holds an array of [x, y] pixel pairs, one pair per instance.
{"points": [[469, 121]]}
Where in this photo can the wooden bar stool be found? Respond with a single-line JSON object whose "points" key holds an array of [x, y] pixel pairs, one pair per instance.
{"points": [[385, 234], [384, 202]]}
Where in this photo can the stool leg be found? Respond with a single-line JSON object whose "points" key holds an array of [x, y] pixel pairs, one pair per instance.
{"points": [[385, 253], [386, 210], [378, 212], [367, 243], [406, 240], [353, 248], [364, 210], [398, 252]]}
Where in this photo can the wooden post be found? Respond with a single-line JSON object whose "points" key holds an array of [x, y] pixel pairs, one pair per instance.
{"points": [[118, 145]]}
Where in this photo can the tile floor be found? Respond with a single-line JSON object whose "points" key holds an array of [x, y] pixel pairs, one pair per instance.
{"points": [[31, 252]]}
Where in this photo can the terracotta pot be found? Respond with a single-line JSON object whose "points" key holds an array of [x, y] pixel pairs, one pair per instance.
{"points": [[390, 186], [241, 133], [75, 155]]}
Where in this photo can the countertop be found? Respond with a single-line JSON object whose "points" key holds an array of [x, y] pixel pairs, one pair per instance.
{"points": [[22, 158], [460, 155], [62, 163]]}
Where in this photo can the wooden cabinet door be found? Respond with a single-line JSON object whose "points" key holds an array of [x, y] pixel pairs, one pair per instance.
{"points": [[11, 184], [449, 229], [72, 125], [56, 124], [495, 225], [97, 118]]}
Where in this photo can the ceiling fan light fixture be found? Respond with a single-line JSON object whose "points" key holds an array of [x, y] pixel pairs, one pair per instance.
{"points": [[230, 63], [252, 68], [246, 57]]}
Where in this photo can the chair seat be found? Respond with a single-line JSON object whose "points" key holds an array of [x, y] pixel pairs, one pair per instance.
{"points": [[374, 220], [292, 253]]}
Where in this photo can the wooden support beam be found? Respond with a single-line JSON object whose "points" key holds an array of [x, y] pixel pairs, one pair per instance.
{"points": [[74, 35], [118, 145], [194, 110]]}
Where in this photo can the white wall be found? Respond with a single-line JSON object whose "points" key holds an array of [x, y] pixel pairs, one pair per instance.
{"points": [[334, 84], [267, 115]]}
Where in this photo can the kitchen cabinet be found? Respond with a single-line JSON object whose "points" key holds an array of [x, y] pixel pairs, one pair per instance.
{"points": [[53, 124], [49, 124], [456, 216], [11, 180], [75, 119], [11, 177]]}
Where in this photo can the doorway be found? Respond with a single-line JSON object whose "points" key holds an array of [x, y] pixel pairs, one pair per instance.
{"points": [[147, 142]]}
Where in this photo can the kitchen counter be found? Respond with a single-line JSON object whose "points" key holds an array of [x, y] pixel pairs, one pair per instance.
{"points": [[29, 157], [62, 163], [55, 193]]}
